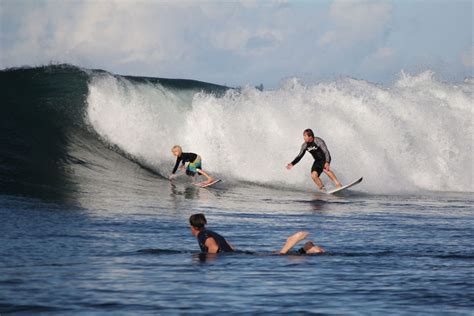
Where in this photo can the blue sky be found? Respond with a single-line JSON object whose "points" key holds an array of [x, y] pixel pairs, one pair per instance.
{"points": [[243, 42]]}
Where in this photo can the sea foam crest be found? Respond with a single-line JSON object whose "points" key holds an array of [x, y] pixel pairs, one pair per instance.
{"points": [[413, 135]]}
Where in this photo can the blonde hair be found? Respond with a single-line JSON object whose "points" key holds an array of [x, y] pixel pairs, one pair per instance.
{"points": [[177, 147]]}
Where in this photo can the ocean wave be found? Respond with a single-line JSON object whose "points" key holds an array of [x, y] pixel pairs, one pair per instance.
{"points": [[62, 125], [414, 135]]}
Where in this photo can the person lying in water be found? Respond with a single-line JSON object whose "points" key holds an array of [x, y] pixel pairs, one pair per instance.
{"points": [[211, 242], [194, 164]]}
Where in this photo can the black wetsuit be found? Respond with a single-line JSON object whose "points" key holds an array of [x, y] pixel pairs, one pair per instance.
{"points": [[317, 148], [221, 242], [185, 157]]}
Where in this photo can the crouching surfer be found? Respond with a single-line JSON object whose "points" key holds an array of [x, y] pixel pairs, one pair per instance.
{"points": [[193, 161]]}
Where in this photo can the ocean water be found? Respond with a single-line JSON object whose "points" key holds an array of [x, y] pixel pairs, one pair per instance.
{"points": [[91, 225]]}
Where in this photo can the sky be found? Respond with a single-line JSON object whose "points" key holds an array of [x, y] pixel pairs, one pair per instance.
{"points": [[243, 42]]}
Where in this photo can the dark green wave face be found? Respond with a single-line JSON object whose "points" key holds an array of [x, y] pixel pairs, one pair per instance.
{"points": [[45, 139], [41, 108]]}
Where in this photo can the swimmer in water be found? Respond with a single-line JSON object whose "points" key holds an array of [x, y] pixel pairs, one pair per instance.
{"points": [[211, 242]]}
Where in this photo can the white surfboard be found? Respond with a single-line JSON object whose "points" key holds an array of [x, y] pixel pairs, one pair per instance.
{"points": [[205, 185], [345, 186]]}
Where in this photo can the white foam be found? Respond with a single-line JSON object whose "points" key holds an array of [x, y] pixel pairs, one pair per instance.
{"points": [[414, 135], [141, 119]]}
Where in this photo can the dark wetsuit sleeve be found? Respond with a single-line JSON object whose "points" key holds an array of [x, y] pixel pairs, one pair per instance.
{"points": [[178, 160], [321, 144], [300, 155]]}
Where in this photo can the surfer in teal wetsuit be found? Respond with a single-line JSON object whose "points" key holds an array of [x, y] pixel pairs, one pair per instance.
{"points": [[194, 164], [211, 242], [317, 148]]}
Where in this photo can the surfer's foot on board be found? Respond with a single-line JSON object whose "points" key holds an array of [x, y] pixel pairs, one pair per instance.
{"points": [[322, 189]]}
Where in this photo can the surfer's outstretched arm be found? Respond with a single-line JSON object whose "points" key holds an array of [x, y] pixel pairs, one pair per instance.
{"points": [[298, 158], [292, 241]]}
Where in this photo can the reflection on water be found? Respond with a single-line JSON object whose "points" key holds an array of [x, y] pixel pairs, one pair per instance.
{"points": [[204, 257], [187, 191]]}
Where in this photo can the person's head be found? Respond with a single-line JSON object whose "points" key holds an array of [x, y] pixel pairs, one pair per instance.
{"points": [[177, 150], [308, 135], [197, 223], [310, 248]]}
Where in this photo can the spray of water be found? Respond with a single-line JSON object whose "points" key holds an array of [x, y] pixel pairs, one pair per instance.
{"points": [[414, 135]]}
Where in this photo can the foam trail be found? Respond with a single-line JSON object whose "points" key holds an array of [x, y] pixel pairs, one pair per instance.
{"points": [[415, 135]]}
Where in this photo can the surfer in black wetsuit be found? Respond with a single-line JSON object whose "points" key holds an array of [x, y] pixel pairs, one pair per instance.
{"points": [[317, 148], [194, 164], [212, 242]]}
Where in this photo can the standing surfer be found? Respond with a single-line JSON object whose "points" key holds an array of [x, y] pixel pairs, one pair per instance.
{"points": [[317, 148]]}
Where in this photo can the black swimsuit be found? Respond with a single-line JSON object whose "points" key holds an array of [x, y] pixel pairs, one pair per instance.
{"points": [[317, 148], [185, 157]]}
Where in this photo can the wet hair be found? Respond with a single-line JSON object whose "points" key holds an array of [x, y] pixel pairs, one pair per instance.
{"points": [[197, 221], [177, 147], [307, 246], [309, 132]]}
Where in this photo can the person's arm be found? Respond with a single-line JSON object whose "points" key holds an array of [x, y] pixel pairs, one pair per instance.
{"points": [[298, 158], [292, 241], [211, 245], [178, 160]]}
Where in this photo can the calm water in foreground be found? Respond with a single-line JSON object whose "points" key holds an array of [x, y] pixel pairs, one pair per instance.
{"points": [[130, 251]]}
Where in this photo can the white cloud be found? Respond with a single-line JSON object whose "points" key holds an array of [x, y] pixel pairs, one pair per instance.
{"points": [[234, 39], [119, 31], [384, 53], [246, 41], [380, 61], [233, 42], [356, 21], [146, 32]]}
